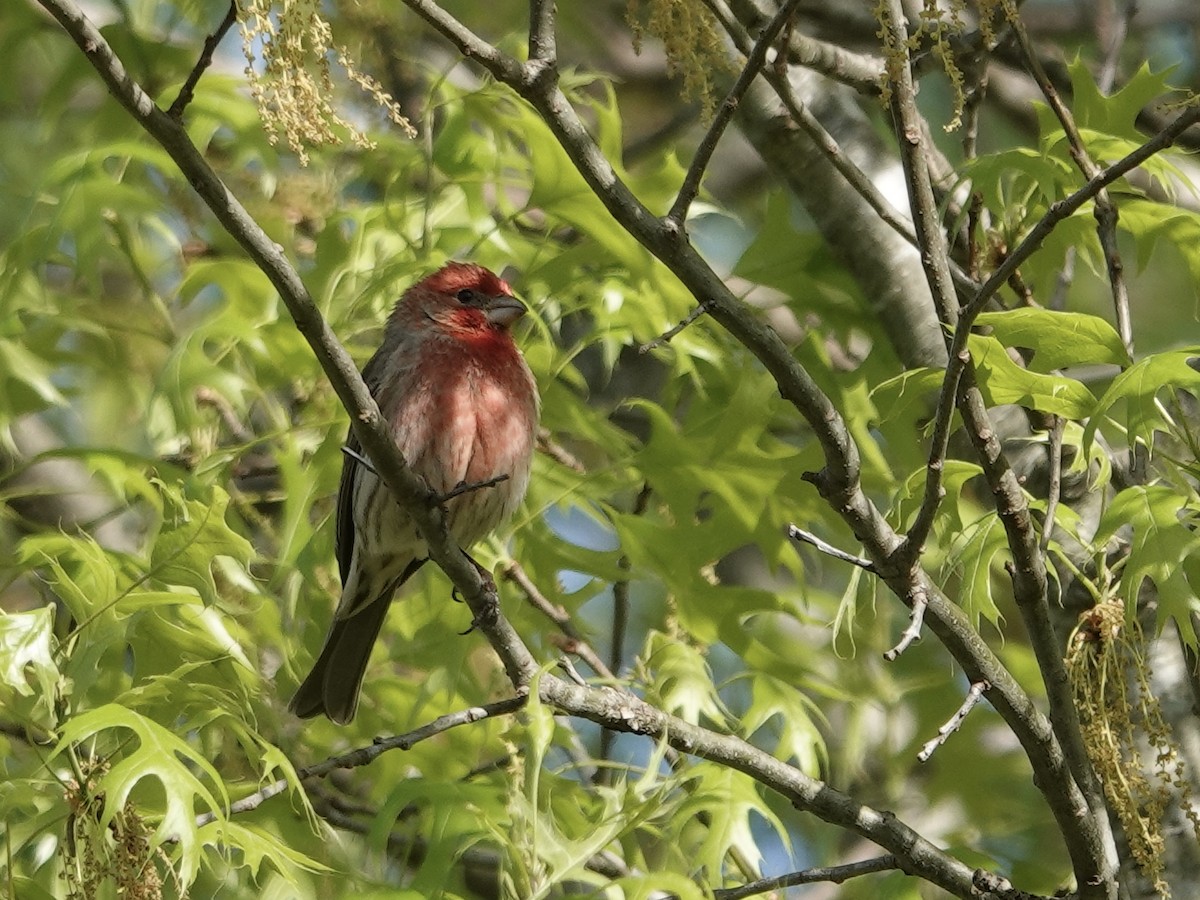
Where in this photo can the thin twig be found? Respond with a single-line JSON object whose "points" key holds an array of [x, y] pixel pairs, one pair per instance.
{"points": [[708, 144], [832, 874], [576, 643], [621, 590], [467, 487], [365, 755], [914, 157], [911, 634], [206, 54], [1054, 445], [799, 534], [206, 396], [666, 336], [564, 663], [954, 722], [860, 71], [620, 619]]}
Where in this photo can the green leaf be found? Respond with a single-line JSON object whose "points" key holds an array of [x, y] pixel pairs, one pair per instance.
{"points": [[1002, 381], [1008, 180], [1058, 339], [159, 756], [1138, 387], [1151, 222], [255, 846], [896, 396], [1164, 541], [682, 684], [27, 654], [799, 738], [728, 798], [1116, 113], [973, 558], [25, 384], [193, 534]]}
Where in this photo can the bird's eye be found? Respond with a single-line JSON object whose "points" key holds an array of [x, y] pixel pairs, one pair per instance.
{"points": [[466, 295]]}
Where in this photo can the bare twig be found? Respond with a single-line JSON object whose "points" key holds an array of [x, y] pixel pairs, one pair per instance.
{"points": [[799, 534], [832, 874], [364, 755], [666, 336], [1054, 486], [206, 396], [616, 655], [564, 663], [860, 71], [620, 619], [576, 643], [708, 144], [910, 131], [912, 633], [206, 54], [468, 487], [954, 722]]}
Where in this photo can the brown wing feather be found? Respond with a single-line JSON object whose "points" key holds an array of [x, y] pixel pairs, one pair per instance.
{"points": [[343, 534]]}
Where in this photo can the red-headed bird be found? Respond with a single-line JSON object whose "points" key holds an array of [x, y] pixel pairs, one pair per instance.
{"points": [[463, 408]]}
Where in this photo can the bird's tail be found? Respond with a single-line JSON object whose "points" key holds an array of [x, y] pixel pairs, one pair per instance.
{"points": [[333, 684]]}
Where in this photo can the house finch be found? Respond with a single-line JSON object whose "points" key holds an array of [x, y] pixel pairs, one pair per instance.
{"points": [[463, 408]]}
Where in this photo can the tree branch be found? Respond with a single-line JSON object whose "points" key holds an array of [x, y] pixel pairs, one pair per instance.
{"points": [[755, 60], [1105, 210], [365, 755], [206, 54], [838, 482], [832, 874], [543, 45], [807, 537]]}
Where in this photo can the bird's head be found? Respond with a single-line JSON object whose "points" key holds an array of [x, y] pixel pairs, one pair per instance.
{"points": [[462, 301]]}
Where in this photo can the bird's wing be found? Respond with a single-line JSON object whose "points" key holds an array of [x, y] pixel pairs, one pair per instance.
{"points": [[343, 539]]}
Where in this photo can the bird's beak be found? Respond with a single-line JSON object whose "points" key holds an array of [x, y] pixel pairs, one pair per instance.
{"points": [[504, 309]]}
